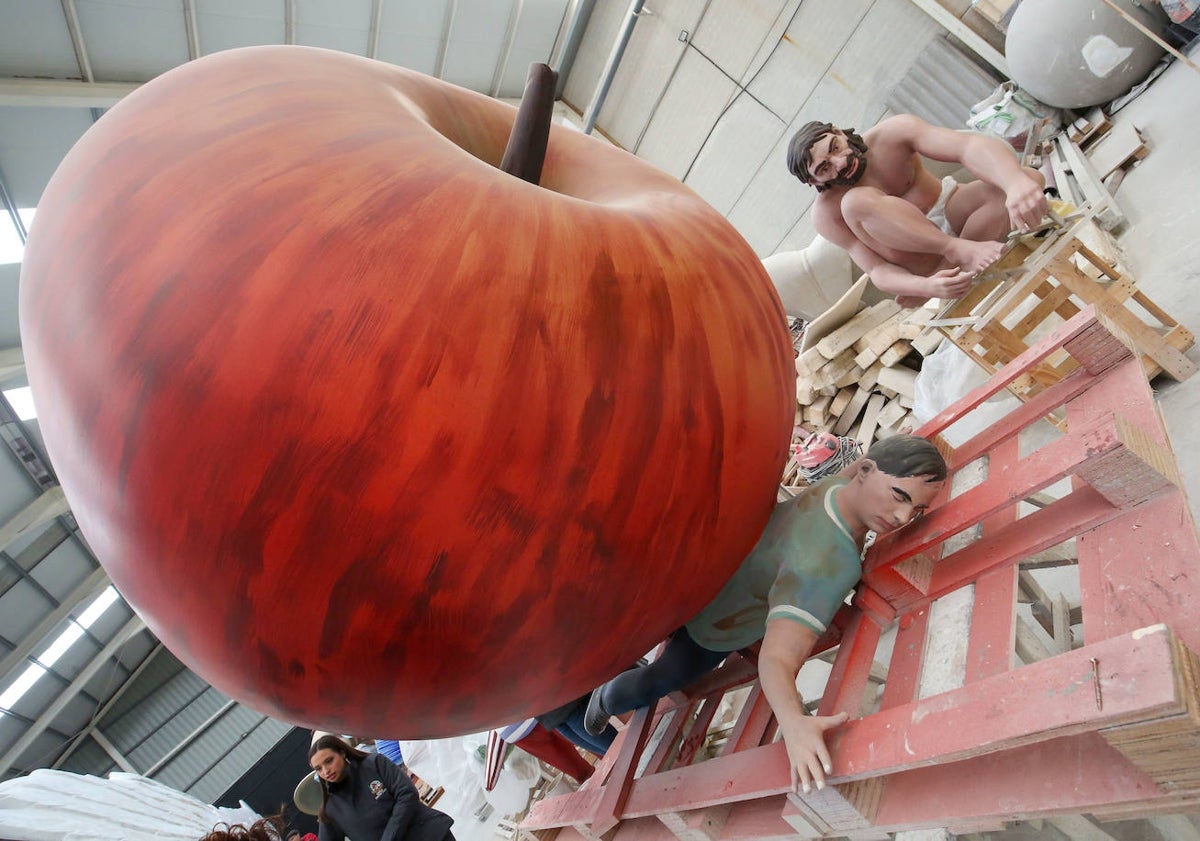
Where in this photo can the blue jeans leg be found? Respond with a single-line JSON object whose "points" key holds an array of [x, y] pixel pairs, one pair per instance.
{"points": [[574, 730], [682, 662]]}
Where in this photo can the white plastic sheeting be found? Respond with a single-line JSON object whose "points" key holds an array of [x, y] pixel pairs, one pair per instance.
{"points": [[59, 806], [456, 764]]}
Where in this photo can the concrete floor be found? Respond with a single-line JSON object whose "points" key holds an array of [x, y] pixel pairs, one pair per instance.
{"points": [[1161, 200]]}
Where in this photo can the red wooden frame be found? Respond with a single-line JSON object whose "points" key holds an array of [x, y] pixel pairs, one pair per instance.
{"points": [[1111, 728]]}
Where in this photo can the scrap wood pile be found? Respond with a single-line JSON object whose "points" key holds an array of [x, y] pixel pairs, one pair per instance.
{"points": [[1084, 164], [859, 380]]}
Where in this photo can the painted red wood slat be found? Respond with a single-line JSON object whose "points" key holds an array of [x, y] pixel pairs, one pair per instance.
{"points": [[904, 670], [868, 600], [697, 825], [993, 620], [1068, 775], [990, 717], [664, 752], [698, 730], [1034, 409], [611, 805], [1062, 334], [1036, 702], [993, 624], [751, 724], [987, 717], [848, 680], [1031, 474], [1081, 509], [1117, 558], [759, 820]]}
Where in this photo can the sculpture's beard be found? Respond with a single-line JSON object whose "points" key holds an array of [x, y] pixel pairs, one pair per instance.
{"points": [[856, 163]]}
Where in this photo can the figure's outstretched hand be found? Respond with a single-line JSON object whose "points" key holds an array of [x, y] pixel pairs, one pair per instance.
{"points": [[950, 283], [808, 755], [1026, 206]]}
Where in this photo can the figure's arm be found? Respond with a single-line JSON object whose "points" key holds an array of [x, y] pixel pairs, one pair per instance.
{"points": [[405, 794], [784, 650], [987, 158], [910, 289]]}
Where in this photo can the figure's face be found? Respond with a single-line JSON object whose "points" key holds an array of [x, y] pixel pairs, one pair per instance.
{"points": [[329, 764], [886, 502], [837, 160]]}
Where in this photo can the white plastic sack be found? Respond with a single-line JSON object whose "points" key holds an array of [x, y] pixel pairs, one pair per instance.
{"points": [[947, 375], [1011, 113]]}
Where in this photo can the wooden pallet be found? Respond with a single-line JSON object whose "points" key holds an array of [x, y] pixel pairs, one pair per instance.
{"points": [[1109, 728], [1042, 283]]}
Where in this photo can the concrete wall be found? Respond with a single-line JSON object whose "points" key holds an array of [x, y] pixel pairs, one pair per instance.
{"points": [[711, 92]]}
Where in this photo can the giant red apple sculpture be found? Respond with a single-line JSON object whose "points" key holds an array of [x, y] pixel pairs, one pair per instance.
{"points": [[375, 436]]}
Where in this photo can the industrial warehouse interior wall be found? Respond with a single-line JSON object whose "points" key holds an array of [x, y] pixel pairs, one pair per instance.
{"points": [[175, 728], [778, 64]]}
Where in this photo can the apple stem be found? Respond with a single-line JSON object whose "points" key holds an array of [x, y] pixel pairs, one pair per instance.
{"points": [[526, 149]]}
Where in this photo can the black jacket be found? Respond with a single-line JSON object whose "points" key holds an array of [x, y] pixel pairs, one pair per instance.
{"points": [[376, 801]]}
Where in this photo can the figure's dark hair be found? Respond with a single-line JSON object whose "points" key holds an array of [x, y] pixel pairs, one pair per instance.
{"points": [[799, 154], [264, 829], [904, 456], [336, 745]]}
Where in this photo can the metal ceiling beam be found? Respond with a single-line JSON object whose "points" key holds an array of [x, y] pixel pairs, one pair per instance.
{"points": [[447, 27], [112, 751], [14, 213], [133, 626], [58, 93], [84, 590], [192, 28], [45, 508], [94, 724], [373, 35], [510, 35], [190, 737], [76, 32], [964, 33]]}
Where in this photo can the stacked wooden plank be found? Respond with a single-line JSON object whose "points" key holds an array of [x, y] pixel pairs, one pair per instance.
{"points": [[1120, 148], [859, 380], [1087, 162], [1089, 127]]}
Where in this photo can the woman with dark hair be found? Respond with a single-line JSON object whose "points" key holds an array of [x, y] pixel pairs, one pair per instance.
{"points": [[264, 829], [367, 797]]}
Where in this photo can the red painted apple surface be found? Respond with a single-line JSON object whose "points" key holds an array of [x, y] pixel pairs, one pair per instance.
{"points": [[375, 436]]}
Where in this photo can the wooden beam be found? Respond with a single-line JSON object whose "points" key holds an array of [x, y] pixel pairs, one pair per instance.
{"points": [[1175, 827], [991, 716], [1079, 828], [1141, 27], [965, 34]]}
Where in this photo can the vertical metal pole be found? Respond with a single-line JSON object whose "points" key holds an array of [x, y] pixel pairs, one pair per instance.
{"points": [[610, 68], [567, 46]]}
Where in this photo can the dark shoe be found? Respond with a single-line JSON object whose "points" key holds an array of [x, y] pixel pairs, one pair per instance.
{"points": [[595, 718]]}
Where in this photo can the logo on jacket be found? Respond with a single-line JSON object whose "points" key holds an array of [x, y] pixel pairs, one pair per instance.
{"points": [[377, 789]]}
